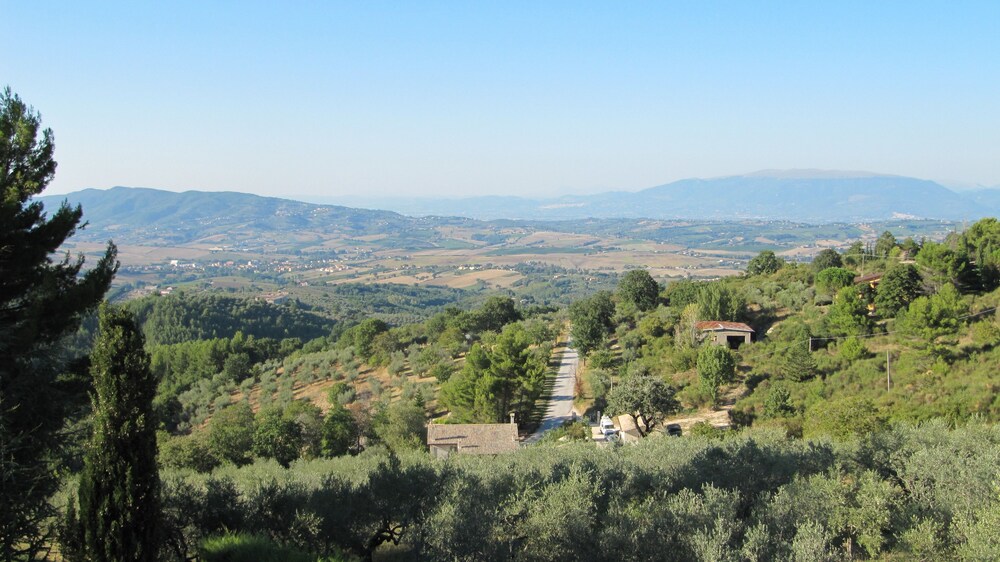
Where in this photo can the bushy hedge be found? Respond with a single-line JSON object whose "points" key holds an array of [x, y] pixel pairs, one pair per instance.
{"points": [[907, 492], [255, 548]]}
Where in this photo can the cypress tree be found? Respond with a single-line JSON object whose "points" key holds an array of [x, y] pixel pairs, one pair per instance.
{"points": [[119, 487]]}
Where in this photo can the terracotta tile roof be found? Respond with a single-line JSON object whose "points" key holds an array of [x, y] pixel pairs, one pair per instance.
{"points": [[719, 325], [475, 438]]}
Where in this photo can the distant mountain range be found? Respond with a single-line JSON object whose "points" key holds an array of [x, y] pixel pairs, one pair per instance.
{"points": [[164, 217], [810, 196], [153, 216]]}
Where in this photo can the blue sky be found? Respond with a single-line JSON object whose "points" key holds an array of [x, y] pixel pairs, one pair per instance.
{"points": [[536, 98]]}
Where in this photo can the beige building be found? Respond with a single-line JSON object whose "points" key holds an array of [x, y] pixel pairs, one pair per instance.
{"points": [[731, 334], [628, 431], [445, 439]]}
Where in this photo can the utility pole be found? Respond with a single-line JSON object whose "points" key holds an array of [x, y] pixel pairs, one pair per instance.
{"points": [[887, 379]]}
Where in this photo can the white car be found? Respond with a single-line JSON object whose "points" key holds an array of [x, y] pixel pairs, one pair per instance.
{"points": [[608, 427]]}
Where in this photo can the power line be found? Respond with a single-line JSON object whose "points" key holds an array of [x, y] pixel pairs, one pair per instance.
{"points": [[809, 341]]}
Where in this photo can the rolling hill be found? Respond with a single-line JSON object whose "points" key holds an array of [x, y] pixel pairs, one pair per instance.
{"points": [[153, 216]]}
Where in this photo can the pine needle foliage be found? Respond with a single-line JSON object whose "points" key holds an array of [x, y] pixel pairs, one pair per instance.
{"points": [[42, 299]]}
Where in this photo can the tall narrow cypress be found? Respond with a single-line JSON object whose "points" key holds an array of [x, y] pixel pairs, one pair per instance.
{"points": [[119, 487]]}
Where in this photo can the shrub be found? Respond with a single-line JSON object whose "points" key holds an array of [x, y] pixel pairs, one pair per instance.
{"points": [[705, 429], [570, 431], [985, 333], [375, 386], [442, 371], [188, 451], [602, 359], [778, 403], [833, 279], [599, 382], [844, 418], [716, 366], [241, 547], [852, 349]]}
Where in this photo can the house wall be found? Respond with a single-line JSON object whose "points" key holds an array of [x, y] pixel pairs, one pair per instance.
{"points": [[722, 338], [443, 451]]}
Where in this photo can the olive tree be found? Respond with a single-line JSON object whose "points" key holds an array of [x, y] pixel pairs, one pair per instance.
{"points": [[645, 398]]}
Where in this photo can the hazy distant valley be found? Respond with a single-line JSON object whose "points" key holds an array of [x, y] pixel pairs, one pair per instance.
{"points": [[241, 242]]}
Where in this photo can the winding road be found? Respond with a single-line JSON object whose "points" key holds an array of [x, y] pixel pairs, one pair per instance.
{"points": [[560, 406]]}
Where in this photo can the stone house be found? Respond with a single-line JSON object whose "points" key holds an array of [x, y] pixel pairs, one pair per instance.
{"points": [[445, 439], [731, 334]]}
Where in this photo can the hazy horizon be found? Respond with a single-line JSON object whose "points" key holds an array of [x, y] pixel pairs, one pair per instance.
{"points": [[455, 100], [350, 199]]}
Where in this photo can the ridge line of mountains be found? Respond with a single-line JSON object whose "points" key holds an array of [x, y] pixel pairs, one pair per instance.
{"points": [[816, 198], [806, 196]]}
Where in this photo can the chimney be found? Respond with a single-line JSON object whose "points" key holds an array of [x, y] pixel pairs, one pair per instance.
{"points": [[512, 419]]}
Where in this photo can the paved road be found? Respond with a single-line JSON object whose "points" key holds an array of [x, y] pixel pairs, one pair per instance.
{"points": [[560, 407]]}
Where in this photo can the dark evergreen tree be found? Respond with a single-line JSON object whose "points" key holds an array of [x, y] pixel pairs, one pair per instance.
{"points": [[515, 377], [363, 335], [339, 433], [826, 259], [592, 321], [496, 312], [899, 286], [639, 288], [119, 487], [276, 437], [41, 300]]}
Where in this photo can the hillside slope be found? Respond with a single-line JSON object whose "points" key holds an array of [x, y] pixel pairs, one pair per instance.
{"points": [[132, 214]]}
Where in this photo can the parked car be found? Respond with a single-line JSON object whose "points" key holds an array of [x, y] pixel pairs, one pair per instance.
{"points": [[674, 429]]}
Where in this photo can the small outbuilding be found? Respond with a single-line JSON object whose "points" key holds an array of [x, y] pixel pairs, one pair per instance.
{"points": [[731, 334], [872, 280], [627, 430], [445, 439]]}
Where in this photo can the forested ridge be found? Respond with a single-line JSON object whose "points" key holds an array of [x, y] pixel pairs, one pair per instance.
{"points": [[180, 318]]}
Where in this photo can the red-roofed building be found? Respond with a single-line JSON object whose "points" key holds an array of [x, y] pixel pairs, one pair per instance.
{"points": [[731, 334]]}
